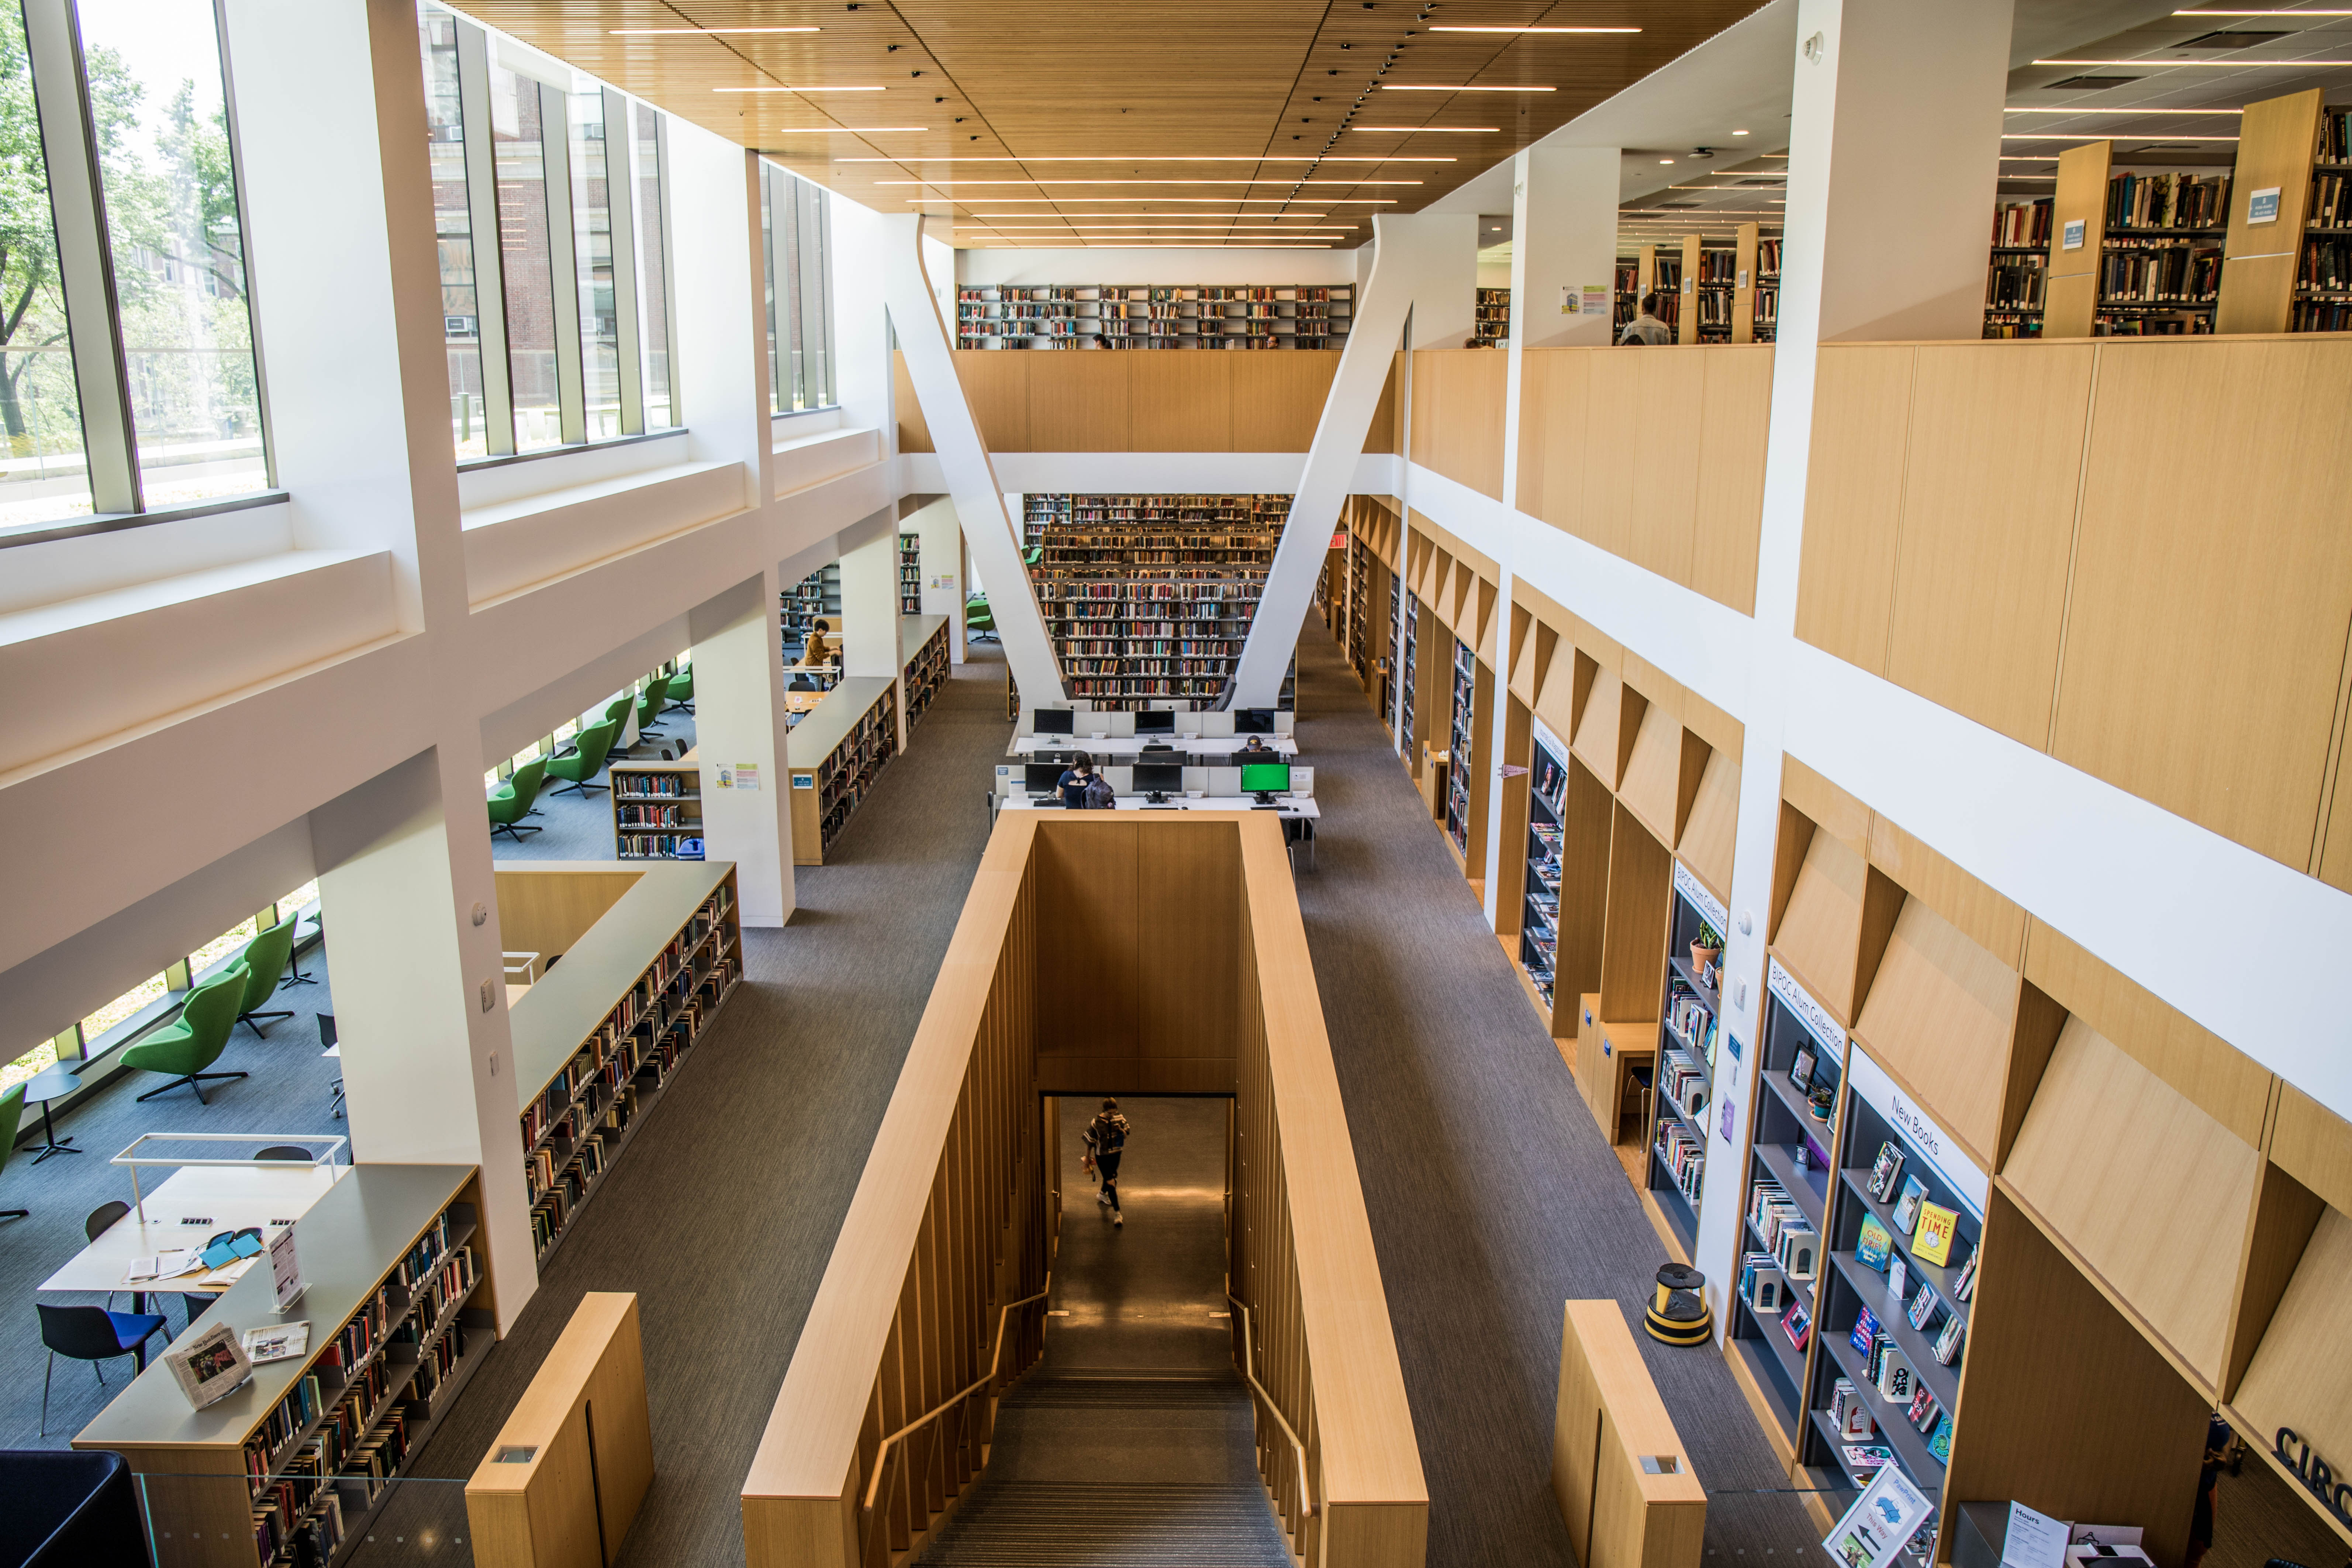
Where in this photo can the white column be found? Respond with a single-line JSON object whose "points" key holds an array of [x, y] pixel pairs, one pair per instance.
{"points": [[1891, 172], [739, 718], [410, 902], [720, 368], [942, 533], [870, 604], [1563, 244]]}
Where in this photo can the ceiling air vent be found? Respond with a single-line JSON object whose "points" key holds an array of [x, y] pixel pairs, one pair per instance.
{"points": [[2088, 83], [1675, 206], [1766, 185], [2230, 40]]}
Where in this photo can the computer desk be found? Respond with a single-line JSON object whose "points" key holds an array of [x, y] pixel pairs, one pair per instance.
{"points": [[1132, 745], [1289, 807], [224, 1197]]}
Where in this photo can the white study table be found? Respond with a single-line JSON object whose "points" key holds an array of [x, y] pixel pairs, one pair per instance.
{"points": [[1132, 745], [223, 1198], [1289, 807]]}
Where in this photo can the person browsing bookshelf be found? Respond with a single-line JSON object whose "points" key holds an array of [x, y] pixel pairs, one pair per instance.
{"points": [[1105, 1141], [820, 648], [1646, 328]]}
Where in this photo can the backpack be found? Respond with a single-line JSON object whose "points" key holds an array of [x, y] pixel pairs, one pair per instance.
{"points": [[1099, 796]]}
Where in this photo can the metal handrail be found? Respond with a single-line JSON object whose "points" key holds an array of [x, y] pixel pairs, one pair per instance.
{"points": [[996, 1357], [1249, 1372]]}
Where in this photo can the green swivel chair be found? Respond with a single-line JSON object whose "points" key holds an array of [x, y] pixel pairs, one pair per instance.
{"points": [[12, 1109], [584, 761], [978, 621], [619, 712], [512, 800], [681, 688], [263, 958], [649, 706], [186, 1049]]}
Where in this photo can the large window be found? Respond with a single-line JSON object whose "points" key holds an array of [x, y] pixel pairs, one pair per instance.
{"points": [[558, 332], [796, 223], [127, 373]]}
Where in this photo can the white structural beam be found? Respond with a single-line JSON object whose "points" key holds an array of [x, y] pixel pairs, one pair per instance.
{"points": [[989, 528], [1424, 269]]}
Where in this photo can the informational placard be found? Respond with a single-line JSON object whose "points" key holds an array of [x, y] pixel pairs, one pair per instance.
{"points": [[1810, 1014], [1705, 903], [1869, 1081], [1742, 281], [285, 1268], [2033, 1540], [2071, 236], [805, 781], [2262, 205], [746, 776], [1882, 1520], [1550, 742], [1599, 300]]}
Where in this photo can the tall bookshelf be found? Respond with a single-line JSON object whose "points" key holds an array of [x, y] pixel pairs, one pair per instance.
{"points": [[1539, 920], [293, 1466], [1628, 294], [1492, 316], [2135, 253], [927, 667], [910, 573], [1687, 1031], [583, 1114], [2019, 269], [2322, 285], [813, 597], [1149, 596], [1765, 316], [1408, 646], [1360, 608], [658, 810], [1718, 281], [837, 752], [1462, 737], [1072, 316]]}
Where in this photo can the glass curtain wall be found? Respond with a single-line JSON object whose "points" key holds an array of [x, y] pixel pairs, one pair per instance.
{"points": [[796, 220], [44, 477], [445, 118], [652, 254]]}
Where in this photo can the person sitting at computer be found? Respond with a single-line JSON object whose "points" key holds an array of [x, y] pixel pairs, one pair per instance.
{"points": [[1083, 789], [1255, 750]]}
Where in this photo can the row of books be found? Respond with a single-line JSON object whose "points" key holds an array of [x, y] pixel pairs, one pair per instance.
{"points": [[2172, 274], [1157, 293], [1155, 590], [1684, 1082], [1929, 1227], [1780, 1224], [667, 786], [1683, 1154], [651, 816], [2023, 222], [2327, 267], [1270, 339], [2015, 283], [2168, 201], [2335, 136], [1899, 1387]]}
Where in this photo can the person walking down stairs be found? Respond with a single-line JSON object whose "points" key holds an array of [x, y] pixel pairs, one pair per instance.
{"points": [[1105, 1138]]}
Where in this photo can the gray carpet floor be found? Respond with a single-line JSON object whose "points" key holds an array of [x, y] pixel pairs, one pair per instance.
{"points": [[1492, 1195], [578, 824]]}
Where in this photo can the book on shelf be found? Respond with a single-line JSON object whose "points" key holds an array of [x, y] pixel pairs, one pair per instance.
{"points": [[1798, 1324], [1922, 1410], [1932, 1242], [1906, 1206], [1898, 1276], [1865, 1332], [1800, 1071], [1863, 1458], [1891, 1372], [1850, 1413], [1965, 1286], [1939, 1441], [1947, 1348], [1874, 1245], [1923, 1306], [1761, 1284], [1797, 1249]]}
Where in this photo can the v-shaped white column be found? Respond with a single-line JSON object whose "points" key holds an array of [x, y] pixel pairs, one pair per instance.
{"points": [[1409, 264], [988, 528]]}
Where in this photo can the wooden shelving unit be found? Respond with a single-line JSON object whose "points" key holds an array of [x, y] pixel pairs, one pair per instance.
{"points": [[1492, 321], [1150, 596], [293, 1466], [1755, 286], [2134, 253], [1687, 1033], [1359, 607], [1070, 316], [837, 752], [927, 662], [1716, 296], [2016, 276], [910, 573], [1407, 645], [1628, 291], [1462, 747], [658, 810], [816, 596], [601, 1034]]}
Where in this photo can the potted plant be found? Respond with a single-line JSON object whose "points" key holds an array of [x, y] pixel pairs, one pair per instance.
{"points": [[1707, 949]]}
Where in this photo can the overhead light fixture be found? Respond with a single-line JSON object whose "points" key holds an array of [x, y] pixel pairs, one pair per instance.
{"points": [[1164, 158], [798, 90], [842, 129], [1465, 87], [2123, 111], [945, 185], [1739, 133], [1096, 218], [1535, 30], [1151, 228], [689, 32], [1666, 160], [2226, 65], [2263, 13], [1170, 201], [1433, 130], [2083, 135]]}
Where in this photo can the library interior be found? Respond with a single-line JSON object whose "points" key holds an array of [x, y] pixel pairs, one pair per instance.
{"points": [[1619, 681]]}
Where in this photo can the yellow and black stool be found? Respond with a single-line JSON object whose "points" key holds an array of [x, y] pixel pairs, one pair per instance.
{"points": [[1679, 1314]]}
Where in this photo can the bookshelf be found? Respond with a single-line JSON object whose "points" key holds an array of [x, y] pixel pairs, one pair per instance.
{"points": [[1540, 890], [927, 665], [1687, 1028], [1462, 742], [1404, 609], [1071, 316], [658, 810], [2018, 269], [1150, 596], [293, 1466], [1358, 607], [816, 596], [2137, 253], [1765, 316], [1755, 286], [910, 573], [1492, 316], [1628, 295], [599, 1037], [837, 752], [2322, 285], [1717, 292]]}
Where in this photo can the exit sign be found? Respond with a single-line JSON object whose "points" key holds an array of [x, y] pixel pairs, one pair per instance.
{"points": [[1339, 541]]}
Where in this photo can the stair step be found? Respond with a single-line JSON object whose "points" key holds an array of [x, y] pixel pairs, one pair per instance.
{"points": [[1110, 1525], [1125, 1391]]}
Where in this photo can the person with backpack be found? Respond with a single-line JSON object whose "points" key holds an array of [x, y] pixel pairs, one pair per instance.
{"points": [[1105, 1141], [1083, 789]]}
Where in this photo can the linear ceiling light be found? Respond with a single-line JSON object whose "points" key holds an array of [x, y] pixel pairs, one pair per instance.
{"points": [[1173, 201], [798, 90], [691, 32], [2228, 64], [1535, 30], [2263, 13], [2123, 111], [1141, 228], [1158, 158], [1428, 130], [1096, 218], [945, 185], [1457, 87], [841, 130], [2075, 135]]}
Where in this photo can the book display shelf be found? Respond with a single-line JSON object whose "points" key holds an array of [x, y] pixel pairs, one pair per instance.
{"points": [[1359, 607], [1492, 322], [1408, 646], [1539, 920], [1149, 596], [1718, 273], [1628, 295], [1687, 1029], [1063, 316], [926, 665], [816, 596], [837, 753], [1462, 738], [1765, 314], [658, 810], [290, 1468], [2160, 262], [910, 573], [601, 1034], [2019, 269], [2323, 284]]}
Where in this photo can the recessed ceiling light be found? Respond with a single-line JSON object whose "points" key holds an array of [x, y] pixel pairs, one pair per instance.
{"points": [[2263, 13], [2079, 136], [2223, 65], [2086, 111], [798, 90], [1739, 133], [689, 32], [1093, 218], [844, 130], [1666, 160], [1535, 30], [1158, 158], [1443, 87], [944, 184], [1165, 201], [1432, 130]]}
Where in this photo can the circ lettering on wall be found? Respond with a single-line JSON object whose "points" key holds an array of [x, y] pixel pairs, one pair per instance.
{"points": [[2320, 1479]]}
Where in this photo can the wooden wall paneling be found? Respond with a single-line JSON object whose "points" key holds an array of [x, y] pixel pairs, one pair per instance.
{"points": [[1597, 739], [1187, 887], [2313, 1145], [1659, 689], [1087, 877], [1853, 494], [1690, 773], [996, 386], [914, 431], [2048, 1354], [1641, 902], [2071, 293], [1511, 865], [1588, 813], [2286, 1212], [2222, 1081], [2039, 1023], [1482, 616], [2332, 855], [1559, 701], [1654, 774], [2227, 719], [1631, 707], [1987, 529], [1080, 402], [1985, 917], [1833, 810], [1457, 415], [2301, 1376], [1734, 419], [1386, 434], [1532, 643], [1610, 486], [1433, 694], [2260, 262], [1554, 424], [1793, 842], [1662, 528], [1939, 1015], [546, 910], [1608, 1417], [1720, 730], [1819, 938], [1710, 830], [1183, 402], [1278, 398], [2151, 1193]]}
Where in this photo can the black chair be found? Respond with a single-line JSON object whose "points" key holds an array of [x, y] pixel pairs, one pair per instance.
{"points": [[69, 1509], [286, 1152], [92, 1334], [325, 1044], [101, 1220]]}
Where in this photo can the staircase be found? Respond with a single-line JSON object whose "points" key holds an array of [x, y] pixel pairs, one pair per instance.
{"points": [[1111, 1470]]}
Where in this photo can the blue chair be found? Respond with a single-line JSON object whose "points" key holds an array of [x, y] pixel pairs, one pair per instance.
{"points": [[92, 1334]]}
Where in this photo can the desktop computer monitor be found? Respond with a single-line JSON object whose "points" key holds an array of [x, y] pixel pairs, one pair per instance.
{"points": [[1264, 778], [1042, 778], [1158, 778], [1253, 720], [1055, 721], [1155, 721]]}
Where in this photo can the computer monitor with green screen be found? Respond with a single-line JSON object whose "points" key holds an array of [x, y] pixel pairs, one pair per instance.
{"points": [[1265, 778]]}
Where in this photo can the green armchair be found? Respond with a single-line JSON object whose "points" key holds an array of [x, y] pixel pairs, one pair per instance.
{"points": [[681, 688], [511, 802], [585, 761], [12, 1111], [263, 957], [186, 1049], [649, 706]]}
